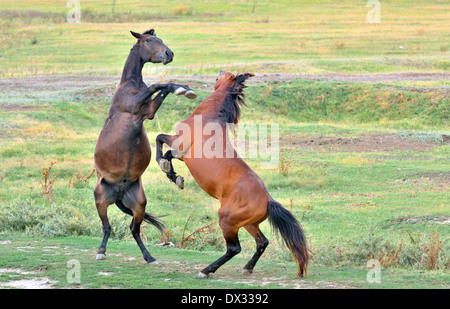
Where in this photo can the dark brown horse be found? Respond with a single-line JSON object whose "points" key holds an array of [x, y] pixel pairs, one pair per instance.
{"points": [[123, 152], [243, 196]]}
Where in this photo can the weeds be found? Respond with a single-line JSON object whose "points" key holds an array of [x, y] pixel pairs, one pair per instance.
{"points": [[202, 237], [283, 167], [421, 31], [420, 253], [48, 183], [340, 45], [182, 10], [388, 257], [166, 238], [434, 248], [79, 178]]}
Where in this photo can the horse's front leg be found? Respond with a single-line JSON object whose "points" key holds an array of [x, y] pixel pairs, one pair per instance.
{"points": [[164, 89], [176, 89], [184, 89], [153, 105]]}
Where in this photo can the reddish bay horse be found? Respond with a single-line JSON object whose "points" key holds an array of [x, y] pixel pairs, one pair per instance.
{"points": [[123, 152], [245, 201]]}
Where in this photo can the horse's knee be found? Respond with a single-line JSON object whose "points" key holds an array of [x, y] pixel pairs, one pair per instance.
{"points": [[233, 249]]}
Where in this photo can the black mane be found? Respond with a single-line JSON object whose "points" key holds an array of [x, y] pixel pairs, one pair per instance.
{"points": [[231, 109]]}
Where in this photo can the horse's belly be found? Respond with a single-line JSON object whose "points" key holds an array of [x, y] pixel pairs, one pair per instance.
{"points": [[123, 158]]}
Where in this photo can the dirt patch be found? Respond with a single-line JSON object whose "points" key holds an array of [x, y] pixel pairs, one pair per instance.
{"points": [[42, 283], [29, 283], [84, 81], [445, 220], [427, 181], [20, 108], [368, 142]]}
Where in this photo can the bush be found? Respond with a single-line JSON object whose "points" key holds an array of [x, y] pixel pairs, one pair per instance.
{"points": [[53, 219]]}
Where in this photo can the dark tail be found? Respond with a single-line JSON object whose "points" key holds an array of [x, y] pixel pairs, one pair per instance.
{"points": [[291, 231], [147, 217]]}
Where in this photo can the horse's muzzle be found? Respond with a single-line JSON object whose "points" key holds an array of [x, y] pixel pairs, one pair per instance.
{"points": [[168, 56]]}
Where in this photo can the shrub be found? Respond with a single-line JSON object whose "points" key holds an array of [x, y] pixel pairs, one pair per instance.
{"points": [[56, 219]]}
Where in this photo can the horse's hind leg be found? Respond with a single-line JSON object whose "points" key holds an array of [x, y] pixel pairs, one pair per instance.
{"points": [[104, 196], [261, 244], [233, 247], [134, 199]]}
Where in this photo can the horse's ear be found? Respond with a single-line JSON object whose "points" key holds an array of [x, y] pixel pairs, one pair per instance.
{"points": [[135, 34], [151, 32]]}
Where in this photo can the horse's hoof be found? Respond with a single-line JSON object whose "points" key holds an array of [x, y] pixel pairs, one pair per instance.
{"points": [[202, 275], [190, 94], [179, 91], [180, 182], [100, 256], [154, 262], [247, 271], [164, 165]]}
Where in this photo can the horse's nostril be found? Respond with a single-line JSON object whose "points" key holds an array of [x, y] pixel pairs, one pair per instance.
{"points": [[169, 54]]}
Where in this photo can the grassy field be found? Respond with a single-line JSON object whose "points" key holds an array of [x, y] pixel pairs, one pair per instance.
{"points": [[262, 36], [364, 166], [360, 187]]}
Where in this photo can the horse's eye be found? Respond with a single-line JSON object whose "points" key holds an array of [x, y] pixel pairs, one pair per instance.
{"points": [[148, 40]]}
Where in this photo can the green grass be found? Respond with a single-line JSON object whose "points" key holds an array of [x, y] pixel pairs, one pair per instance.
{"points": [[301, 37], [351, 203], [47, 259], [354, 198]]}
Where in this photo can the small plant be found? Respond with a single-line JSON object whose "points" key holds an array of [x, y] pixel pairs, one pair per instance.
{"points": [[388, 257], [48, 183], [434, 248], [284, 166], [206, 235], [182, 10], [142, 233], [79, 178], [166, 238], [340, 44], [420, 31]]}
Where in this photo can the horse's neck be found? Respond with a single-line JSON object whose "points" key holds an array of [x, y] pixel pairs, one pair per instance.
{"points": [[133, 67], [212, 104]]}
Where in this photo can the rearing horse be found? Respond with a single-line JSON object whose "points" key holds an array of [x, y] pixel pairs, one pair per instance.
{"points": [[245, 201], [123, 152]]}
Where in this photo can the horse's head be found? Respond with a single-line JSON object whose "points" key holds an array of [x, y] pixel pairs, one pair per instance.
{"points": [[229, 79], [152, 49], [224, 78]]}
